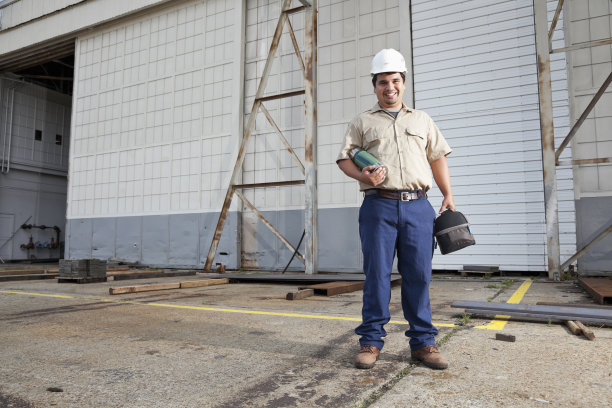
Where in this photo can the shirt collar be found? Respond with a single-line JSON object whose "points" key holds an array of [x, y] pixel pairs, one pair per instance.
{"points": [[377, 108]]}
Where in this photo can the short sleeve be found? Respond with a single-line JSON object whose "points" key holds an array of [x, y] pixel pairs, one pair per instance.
{"points": [[437, 146], [352, 138]]}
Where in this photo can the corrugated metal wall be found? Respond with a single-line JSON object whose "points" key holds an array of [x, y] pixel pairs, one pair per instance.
{"points": [[157, 121], [155, 113], [588, 69], [34, 140], [350, 32], [475, 73]]}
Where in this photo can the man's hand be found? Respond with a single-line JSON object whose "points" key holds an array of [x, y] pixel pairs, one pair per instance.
{"points": [[369, 175], [448, 203], [373, 176]]}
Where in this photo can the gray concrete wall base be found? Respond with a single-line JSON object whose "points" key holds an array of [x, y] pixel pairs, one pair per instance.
{"points": [[339, 244], [172, 241], [183, 240], [594, 216]]}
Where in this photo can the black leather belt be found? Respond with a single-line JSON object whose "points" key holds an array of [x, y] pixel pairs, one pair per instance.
{"points": [[397, 195]]}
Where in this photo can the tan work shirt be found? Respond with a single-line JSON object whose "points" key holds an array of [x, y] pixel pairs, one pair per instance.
{"points": [[404, 145]]}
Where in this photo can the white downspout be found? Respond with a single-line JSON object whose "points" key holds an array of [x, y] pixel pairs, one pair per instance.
{"points": [[8, 156], [6, 107]]}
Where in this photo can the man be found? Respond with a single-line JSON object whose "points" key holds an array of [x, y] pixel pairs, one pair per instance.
{"points": [[395, 216]]}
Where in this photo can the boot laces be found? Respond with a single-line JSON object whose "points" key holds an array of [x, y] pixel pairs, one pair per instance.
{"points": [[368, 349]]}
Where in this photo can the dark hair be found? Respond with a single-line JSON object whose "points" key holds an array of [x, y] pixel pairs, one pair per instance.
{"points": [[376, 76]]}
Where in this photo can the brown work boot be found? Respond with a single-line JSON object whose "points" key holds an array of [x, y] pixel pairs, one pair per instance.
{"points": [[367, 356], [430, 356]]}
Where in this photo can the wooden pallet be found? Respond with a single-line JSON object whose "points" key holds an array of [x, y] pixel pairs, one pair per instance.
{"points": [[79, 279], [465, 273], [481, 270]]}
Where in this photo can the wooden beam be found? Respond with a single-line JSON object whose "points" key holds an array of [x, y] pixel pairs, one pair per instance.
{"points": [[15, 272], [588, 333], [334, 288], [143, 288], [201, 283], [573, 327], [147, 274], [505, 337], [300, 294]]}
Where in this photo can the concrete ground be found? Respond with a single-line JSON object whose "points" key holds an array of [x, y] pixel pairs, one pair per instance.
{"points": [[244, 345]]}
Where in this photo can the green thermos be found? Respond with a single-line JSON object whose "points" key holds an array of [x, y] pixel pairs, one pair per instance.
{"points": [[364, 159]]}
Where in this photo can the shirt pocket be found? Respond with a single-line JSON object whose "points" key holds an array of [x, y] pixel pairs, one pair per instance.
{"points": [[379, 137], [417, 140]]}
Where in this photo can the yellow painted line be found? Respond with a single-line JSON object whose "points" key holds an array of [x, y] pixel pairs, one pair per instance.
{"points": [[37, 294], [500, 320], [210, 309]]}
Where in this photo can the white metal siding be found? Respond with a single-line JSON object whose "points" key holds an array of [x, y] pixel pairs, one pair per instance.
{"points": [[266, 159], [155, 112], [589, 67], [475, 74], [350, 33], [14, 13], [25, 108]]}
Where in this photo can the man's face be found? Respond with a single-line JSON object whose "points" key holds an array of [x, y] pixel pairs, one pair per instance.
{"points": [[389, 90]]}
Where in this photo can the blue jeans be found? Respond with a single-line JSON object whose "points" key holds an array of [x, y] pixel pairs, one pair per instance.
{"points": [[387, 227]]}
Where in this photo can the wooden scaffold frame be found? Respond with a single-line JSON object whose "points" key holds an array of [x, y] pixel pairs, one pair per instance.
{"points": [[309, 168]]}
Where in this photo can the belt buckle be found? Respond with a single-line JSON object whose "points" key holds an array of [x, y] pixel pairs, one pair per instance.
{"points": [[406, 196]]}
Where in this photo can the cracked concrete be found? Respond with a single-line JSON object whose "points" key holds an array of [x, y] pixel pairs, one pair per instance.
{"points": [[244, 345]]}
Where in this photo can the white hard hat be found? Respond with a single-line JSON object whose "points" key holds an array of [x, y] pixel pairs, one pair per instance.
{"points": [[388, 60]]}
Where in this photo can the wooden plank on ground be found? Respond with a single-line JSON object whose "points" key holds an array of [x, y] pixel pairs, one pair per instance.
{"points": [[300, 294], [333, 288], [8, 278], [465, 272], [118, 268], [338, 287], [588, 333], [573, 327], [481, 268], [201, 283], [505, 337], [80, 279], [14, 272], [147, 274], [143, 288]]}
